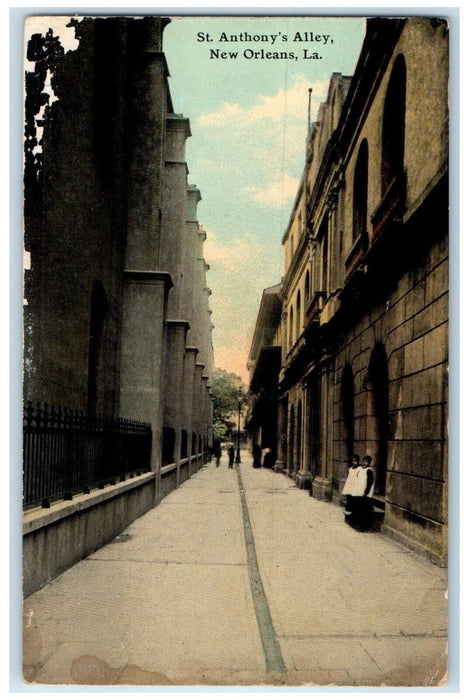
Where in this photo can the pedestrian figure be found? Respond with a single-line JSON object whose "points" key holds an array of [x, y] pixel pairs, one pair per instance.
{"points": [[350, 484], [269, 458], [231, 455], [217, 452], [361, 489], [256, 454]]}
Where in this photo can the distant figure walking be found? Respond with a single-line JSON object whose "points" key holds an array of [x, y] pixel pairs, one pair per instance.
{"points": [[256, 455], [231, 455], [217, 452]]}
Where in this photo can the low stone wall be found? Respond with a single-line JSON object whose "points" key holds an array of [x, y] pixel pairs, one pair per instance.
{"points": [[168, 481], [184, 471], [171, 477], [57, 538]]}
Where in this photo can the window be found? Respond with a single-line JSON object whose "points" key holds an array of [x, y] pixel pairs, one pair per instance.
{"points": [[325, 256], [392, 155], [360, 192], [307, 292], [298, 313], [290, 329]]}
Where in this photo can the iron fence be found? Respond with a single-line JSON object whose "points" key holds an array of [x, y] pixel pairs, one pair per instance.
{"points": [[66, 452]]}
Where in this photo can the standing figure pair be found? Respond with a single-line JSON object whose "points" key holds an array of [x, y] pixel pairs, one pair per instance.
{"points": [[359, 489]]}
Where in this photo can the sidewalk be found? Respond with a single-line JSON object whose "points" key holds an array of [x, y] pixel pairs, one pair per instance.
{"points": [[176, 600]]}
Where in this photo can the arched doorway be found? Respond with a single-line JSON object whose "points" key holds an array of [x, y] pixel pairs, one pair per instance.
{"points": [[299, 436], [347, 416], [377, 423], [314, 409], [291, 440]]}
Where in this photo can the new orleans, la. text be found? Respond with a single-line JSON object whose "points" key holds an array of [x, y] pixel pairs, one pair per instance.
{"points": [[278, 38]]}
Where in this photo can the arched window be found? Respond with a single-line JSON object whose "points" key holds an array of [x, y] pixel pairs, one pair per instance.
{"points": [[298, 314], [290, 328], [324, 271], [360, 192], [307, 290], [307, 296], [392, 154]]}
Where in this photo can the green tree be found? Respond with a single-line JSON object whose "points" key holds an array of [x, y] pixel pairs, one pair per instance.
{"points": [[227, 392]]}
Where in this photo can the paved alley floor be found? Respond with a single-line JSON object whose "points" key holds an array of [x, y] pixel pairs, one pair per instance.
{"points": [[239, 578]]}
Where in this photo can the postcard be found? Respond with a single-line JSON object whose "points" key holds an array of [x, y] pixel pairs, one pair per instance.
{"points": [[235, 447]]}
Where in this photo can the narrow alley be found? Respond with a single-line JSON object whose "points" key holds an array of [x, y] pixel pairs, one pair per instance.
{"points": [[239, 578]]}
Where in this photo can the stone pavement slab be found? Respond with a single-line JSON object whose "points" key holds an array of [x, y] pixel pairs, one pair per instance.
{"points": [[341, 599], [171, 601]]}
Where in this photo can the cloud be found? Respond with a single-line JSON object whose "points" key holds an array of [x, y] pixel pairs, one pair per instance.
{"points": [[225, 114], [260, 145], [285, 104], [255, 155], [277, 194]]}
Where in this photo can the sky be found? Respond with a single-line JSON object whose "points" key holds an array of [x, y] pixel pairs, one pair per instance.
{"points": [[248, 116]]}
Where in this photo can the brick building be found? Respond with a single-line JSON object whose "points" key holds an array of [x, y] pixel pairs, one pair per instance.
{"points": [[365, 290]]}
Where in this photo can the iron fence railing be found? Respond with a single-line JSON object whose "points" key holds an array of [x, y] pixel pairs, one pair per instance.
{"points": [[66, 452]]}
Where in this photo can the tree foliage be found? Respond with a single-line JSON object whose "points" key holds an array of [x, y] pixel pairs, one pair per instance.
{"points": [[227, 392]]}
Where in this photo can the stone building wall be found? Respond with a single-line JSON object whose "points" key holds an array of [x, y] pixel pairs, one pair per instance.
{"points": [[405, 318], [412, 326], [68, 241], [366, 369], [113, 288]]}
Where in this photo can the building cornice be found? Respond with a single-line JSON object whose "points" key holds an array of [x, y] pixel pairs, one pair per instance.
{"points": [[149, 277], [177, 122]]}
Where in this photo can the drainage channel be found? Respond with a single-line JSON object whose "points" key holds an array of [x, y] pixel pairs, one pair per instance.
{"points": [[272, 653]]}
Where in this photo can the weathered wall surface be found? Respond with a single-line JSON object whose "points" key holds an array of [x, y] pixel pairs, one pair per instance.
{"points": [[70, 240], [55, 540], [412, 324]]}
